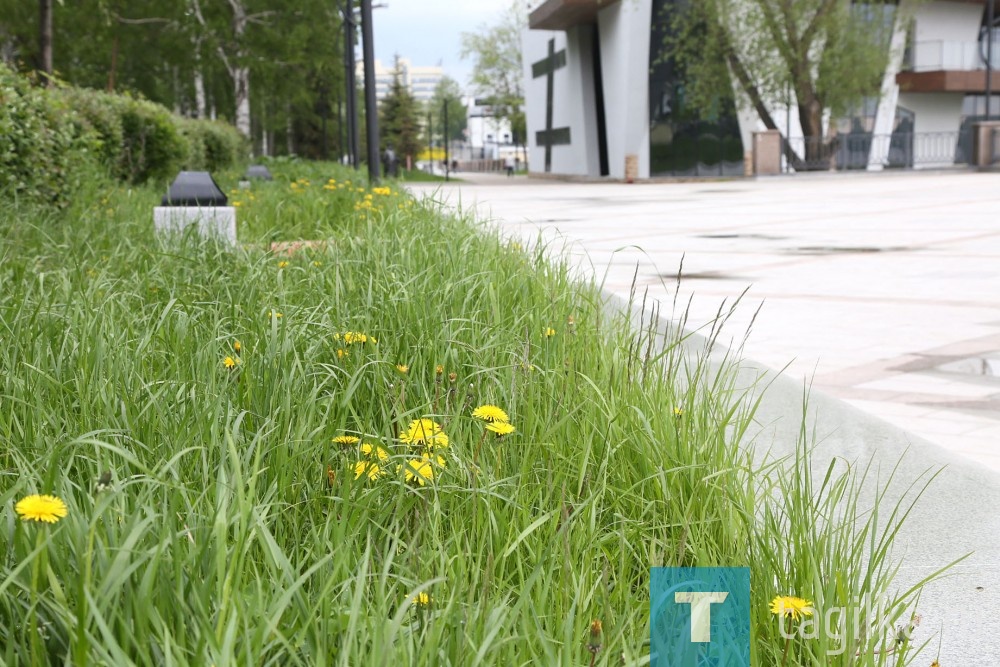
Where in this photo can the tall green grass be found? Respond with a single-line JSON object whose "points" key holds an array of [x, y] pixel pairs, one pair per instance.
{"points": [[236, 532]]}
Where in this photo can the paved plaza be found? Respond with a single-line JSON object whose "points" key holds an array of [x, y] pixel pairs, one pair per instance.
{"points": [[882, 290]]}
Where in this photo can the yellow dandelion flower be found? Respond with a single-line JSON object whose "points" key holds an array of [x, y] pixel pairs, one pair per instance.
{"points": [[425, 432], [317, 264], [346, 440], [550, 332], [368, 468], [282, 265], [678, 412], [490, 413], [275, 315], [368, 450], [341, 353], [231, 362], [439, 369], [421, 600], [501, 428], [237, 346], [351, 337], [419, 470], [787, 605], [237, 204], [48, 509], [403, 368]]}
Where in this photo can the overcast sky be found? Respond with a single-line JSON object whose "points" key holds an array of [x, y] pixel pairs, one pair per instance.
{"points": [[428, 32]]}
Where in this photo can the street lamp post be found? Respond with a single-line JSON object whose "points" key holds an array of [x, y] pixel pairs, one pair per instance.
{"points": [[371, 108], [447, 160], [354, 142], [990, 19]]}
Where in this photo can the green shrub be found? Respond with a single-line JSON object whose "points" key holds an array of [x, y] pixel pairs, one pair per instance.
{"points": [[42, 148], [224, 145], [152, 145], [195, 159], [54, 138], [99, 113], [214, 145]]}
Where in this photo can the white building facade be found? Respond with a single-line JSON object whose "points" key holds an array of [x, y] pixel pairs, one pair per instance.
{"points": [[487, 136], [420, 81], [599, 103]]}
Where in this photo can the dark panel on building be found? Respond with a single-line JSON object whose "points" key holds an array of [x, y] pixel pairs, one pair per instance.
{"points": [[683, 142], [602, 123]]}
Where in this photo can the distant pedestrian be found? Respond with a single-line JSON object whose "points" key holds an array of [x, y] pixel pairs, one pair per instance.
{"points": [[390, 162], [508, 164]]}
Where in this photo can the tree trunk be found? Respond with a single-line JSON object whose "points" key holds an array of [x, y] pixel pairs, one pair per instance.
{"points": [[818, 153], [114, 64], [45, 39], [241, 89], [199, 92], [239, 69], [200, 106]]}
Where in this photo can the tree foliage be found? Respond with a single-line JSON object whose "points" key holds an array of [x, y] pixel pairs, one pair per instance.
{"points": [[825, 56], [190, 55], [449, 90], [399, 118], [498, 75]]}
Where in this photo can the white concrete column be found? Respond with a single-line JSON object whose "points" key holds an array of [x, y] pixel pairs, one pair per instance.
{"points": [[885, 113], [624, 29]]}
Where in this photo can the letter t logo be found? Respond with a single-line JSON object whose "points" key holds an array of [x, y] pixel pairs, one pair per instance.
{"points": [[701, 612]]}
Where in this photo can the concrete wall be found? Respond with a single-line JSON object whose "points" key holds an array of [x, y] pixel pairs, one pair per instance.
{"points": [[947, 21], [935, 112], [946, 35], [573, 103], [625, 32], [936, 123]]}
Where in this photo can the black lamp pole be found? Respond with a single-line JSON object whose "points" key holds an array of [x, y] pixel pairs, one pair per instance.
{"points": [[447, 160], [354, 141], [371, 107], [990, 19]]}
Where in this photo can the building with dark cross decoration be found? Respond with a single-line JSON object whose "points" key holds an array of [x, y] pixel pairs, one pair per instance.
{"points": [[602, 99]]}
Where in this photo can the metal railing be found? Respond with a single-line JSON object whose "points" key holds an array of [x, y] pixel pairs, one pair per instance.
{"points": [[935, 55], [900, 150]]}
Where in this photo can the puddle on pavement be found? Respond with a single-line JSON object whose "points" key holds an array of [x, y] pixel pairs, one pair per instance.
{"points": [[981, 366], [706, 275], [756, 237], [844, 250]]}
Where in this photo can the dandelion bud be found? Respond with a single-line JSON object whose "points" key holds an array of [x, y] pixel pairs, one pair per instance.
{"points": [[594, 643]]}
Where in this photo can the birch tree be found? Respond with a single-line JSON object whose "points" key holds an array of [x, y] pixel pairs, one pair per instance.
{"points": [[826, 55]]}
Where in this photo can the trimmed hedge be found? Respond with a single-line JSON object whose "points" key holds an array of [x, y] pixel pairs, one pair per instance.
{"points": [[50, 138], [40, 154]]}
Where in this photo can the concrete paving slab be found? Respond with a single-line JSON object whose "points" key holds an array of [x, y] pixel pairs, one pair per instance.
{"points": [[863, 327]]}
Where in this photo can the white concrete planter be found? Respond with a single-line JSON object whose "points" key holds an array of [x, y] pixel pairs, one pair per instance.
{"points": [[217, 222]]}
